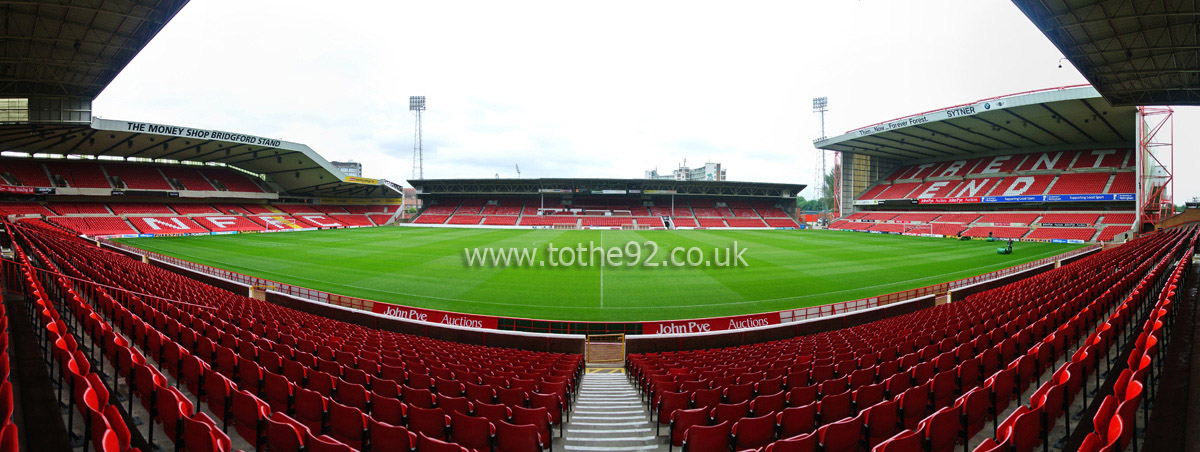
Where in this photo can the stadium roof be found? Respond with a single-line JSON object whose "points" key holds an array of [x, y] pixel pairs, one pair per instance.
{"points": [[295, 167], [74, 48], [586, 186], [1135, 52], [1057, 118]]}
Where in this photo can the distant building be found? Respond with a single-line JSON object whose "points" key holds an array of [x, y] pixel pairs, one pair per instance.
{"points": [[710, 171], [410, 197], [353, 169]]}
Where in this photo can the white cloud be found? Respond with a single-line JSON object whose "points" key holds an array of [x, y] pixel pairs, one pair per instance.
{"points": [[581, 89]]}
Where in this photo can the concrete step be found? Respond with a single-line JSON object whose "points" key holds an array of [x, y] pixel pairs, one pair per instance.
{"points": [[609, 415]]}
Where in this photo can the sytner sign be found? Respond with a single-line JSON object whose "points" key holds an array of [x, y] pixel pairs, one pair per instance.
{"points": [[965, 110]]}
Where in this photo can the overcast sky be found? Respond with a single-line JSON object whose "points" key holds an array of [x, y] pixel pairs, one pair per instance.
{"points": [[574, 89]]}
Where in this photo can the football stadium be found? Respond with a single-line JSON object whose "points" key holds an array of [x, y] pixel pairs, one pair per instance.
{"points": [[1007, 274]]}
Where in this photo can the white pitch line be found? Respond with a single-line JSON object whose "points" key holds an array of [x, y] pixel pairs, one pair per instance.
{"points": [[602, 271]]}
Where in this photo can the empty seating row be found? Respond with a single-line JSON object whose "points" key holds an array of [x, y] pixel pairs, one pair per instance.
{"points": [[24, 173], [996, 231], [189, 178], [135, 208], [1006, 164], [1077, 218], [285, 379], [70, 344], [1084, 234], [1114, 425], [8, 429], [95, 226], [937, 374], [601, 212], [1114, 422], [175, 224], [1045, 225], [138, 176], [1026, 185]]}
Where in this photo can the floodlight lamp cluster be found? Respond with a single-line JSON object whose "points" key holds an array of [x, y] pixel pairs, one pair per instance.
{"points": [[820, 103], [416, 103]]}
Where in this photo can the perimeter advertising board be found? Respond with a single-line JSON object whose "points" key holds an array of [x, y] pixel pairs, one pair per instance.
{"points": [[433, 316], [711, 324]]}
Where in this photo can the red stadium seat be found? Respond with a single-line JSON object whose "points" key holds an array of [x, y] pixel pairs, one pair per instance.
{"points": [[200, 434], [248, 415], [753, 432], [284, 434], [834, 407], [385, 437], [905, 441], [537, 417], [841, 436], [768, 404], [941, 429], [730, 412], [799, 443], [431, 422], [516, 438], [714, 438], [311, 409], [474, 433], [681, 420], [493, 413], [880, 421], [797, 420]]}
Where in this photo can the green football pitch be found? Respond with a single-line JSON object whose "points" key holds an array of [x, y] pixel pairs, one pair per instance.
{"points": [[430, 268]]}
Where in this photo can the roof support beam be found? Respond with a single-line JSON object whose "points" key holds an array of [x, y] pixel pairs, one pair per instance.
{"points": [[128, 139], [1068, 121], [952, 137], [1006, 129], [61, 138], [1033, 123], [1101, 118], [901, 143], [147, 148], [989, 137], [295, 169], [930, 139], [194, 146]]}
